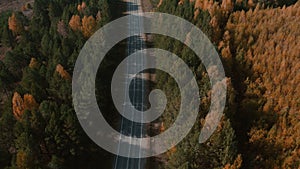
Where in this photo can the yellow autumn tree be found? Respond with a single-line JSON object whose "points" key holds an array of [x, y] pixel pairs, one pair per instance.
{"points": [[14, 24], [18, 105], [250, 3], [29, 102], [81, 7], [23, 160], [62, 72], [75, 23], [227, 5], [171, 151], [88, 26], [33, 63], [267, 42], [237, 164]]}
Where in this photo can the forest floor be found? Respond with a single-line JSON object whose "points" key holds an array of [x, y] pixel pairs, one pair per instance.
{"points": [[14, 5]]}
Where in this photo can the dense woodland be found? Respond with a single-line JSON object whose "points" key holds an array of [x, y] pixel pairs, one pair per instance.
{"points": [[259, 45], [257, 40], [38, 126]]}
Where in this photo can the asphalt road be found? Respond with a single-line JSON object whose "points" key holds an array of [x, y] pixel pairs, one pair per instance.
{"points": [[137, 94]]}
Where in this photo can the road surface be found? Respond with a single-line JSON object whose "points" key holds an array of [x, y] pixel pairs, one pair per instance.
{"points": [[137, 93]]}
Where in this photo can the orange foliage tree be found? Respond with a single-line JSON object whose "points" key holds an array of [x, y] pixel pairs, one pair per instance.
{"points": [[62, 72], [20, 105], [266, 42], [88, 26], [14, 24], [33, 63], [29, 102], [75, 23], [81, 7], [236, 165], [24, 160]]}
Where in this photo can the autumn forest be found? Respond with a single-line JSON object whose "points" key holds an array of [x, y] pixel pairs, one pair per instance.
{"points": [[259, 45]]}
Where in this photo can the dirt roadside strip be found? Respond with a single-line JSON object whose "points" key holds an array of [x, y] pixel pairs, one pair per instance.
{"points": [[14, 5], [156, 161], [147, 5]]}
